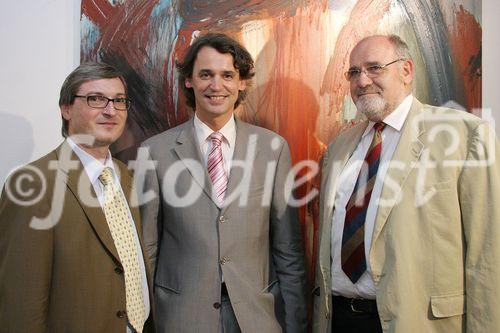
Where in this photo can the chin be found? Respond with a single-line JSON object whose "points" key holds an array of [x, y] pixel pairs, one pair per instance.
{"points": [[372, 107], [105, 140]]}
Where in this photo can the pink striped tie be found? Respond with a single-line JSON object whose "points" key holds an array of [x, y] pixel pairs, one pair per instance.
{"points": [[215, 167]]}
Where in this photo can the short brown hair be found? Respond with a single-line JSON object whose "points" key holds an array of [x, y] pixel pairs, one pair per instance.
{"points": [[223, 44]]}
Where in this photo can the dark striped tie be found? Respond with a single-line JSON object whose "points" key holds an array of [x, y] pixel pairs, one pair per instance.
{"points": [[353, 237]]}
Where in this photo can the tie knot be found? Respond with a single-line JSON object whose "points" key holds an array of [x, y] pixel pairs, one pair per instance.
{"points": [[379, 127], [216, 138], [106, 176]]}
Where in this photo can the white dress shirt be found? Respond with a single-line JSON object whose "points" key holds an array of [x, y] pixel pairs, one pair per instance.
{"points": [[341, 284], [93, 168], [229, 138]]}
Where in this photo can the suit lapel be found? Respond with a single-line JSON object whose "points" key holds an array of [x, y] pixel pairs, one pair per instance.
{"points": [[334, 166], [407, 151], [127, 189], [79, 184], [335, 163], [239, 177], [188, 150]]}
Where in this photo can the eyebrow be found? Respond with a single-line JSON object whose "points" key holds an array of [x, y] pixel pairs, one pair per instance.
{"points": [[367, 64], [101, 93], [209, 71]]}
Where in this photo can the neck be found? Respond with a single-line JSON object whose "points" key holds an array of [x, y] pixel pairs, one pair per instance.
{"points": [[99, 153], [391, 108], [216, 123]]}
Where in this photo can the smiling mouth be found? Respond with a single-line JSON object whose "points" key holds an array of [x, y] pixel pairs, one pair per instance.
{"points": [[216, 98], [368, 93]]}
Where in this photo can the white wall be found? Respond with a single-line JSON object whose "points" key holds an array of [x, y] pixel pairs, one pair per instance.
{"points": [[491, 59], [40, 46]]}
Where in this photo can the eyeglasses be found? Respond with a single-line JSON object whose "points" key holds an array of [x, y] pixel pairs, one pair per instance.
{"points": [[370, 71], [100, 102]]}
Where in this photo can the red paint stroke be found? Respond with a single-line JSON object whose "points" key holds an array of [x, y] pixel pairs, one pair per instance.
{"points": [[465, 42], [363, 21]]}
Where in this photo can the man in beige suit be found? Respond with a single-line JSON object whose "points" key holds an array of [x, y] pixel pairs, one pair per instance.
{"points": [[218, 226], [410, 235], [71, 258]]}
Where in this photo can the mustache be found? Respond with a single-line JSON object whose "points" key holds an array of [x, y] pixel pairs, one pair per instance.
{"points": [[367, 90]]}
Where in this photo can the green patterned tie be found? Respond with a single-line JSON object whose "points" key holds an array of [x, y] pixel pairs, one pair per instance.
{"points": [[121, 227]]}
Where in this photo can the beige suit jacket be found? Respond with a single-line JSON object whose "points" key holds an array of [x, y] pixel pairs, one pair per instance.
{"points": [[67, 276], [435, 253]]}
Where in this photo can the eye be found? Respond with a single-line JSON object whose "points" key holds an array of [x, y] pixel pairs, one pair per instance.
{"points": [[96, 98], [375, 69], [120, 100], [204, 76], [353, 72], [228, 76]]}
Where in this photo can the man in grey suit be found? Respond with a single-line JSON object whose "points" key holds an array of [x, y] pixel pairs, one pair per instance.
{"points": [[225, 243]]}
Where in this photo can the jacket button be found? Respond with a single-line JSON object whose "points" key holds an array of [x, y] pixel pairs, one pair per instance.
{"points": [[121, 314], [222, 219], [224, 260], [217, 305], [118, 270]]}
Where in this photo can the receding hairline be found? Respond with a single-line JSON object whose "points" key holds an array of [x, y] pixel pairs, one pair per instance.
{"points": [[399, 46]]}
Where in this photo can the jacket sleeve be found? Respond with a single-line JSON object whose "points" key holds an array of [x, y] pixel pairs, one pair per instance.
{"points": [[479, 194], [25, 262], [149, 194], [287, 251]]}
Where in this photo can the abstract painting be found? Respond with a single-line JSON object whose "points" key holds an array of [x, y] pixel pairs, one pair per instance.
{"points": [[301, 51]]}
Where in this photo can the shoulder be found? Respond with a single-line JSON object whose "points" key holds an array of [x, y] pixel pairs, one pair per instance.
{"points": [[260, 133], [445, 125], [35, 168], [438, 115], [347, 136], [27, 186], [167, 137]]}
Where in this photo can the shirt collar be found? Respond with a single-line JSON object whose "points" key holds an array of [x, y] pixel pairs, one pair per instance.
{"points": [[93, 167], [395, 119], [203, 131]]}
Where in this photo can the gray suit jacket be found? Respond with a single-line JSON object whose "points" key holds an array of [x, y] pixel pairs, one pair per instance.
{"points": [[254, 241]]}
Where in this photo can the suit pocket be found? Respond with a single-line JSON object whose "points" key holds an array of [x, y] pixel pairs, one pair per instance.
{"points": [[273, 286], [448, 306], [158, 284], [272, 293]]}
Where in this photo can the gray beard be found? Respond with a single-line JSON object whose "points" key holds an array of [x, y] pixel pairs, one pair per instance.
{"points": [[374, 108]]}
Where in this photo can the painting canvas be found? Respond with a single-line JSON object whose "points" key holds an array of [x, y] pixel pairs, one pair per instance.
{"points": [[301, 50]]}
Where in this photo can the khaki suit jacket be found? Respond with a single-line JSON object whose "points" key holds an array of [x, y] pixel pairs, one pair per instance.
{"points": [[435, 249], [254, 241], [62, 274]]}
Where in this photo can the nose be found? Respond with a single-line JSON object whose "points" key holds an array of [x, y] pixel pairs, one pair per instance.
{"points": [[363, 80], [216, 83], [110, 110]]}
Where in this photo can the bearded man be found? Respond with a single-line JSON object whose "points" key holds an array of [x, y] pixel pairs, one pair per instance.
{"points": [[408, 236]]}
